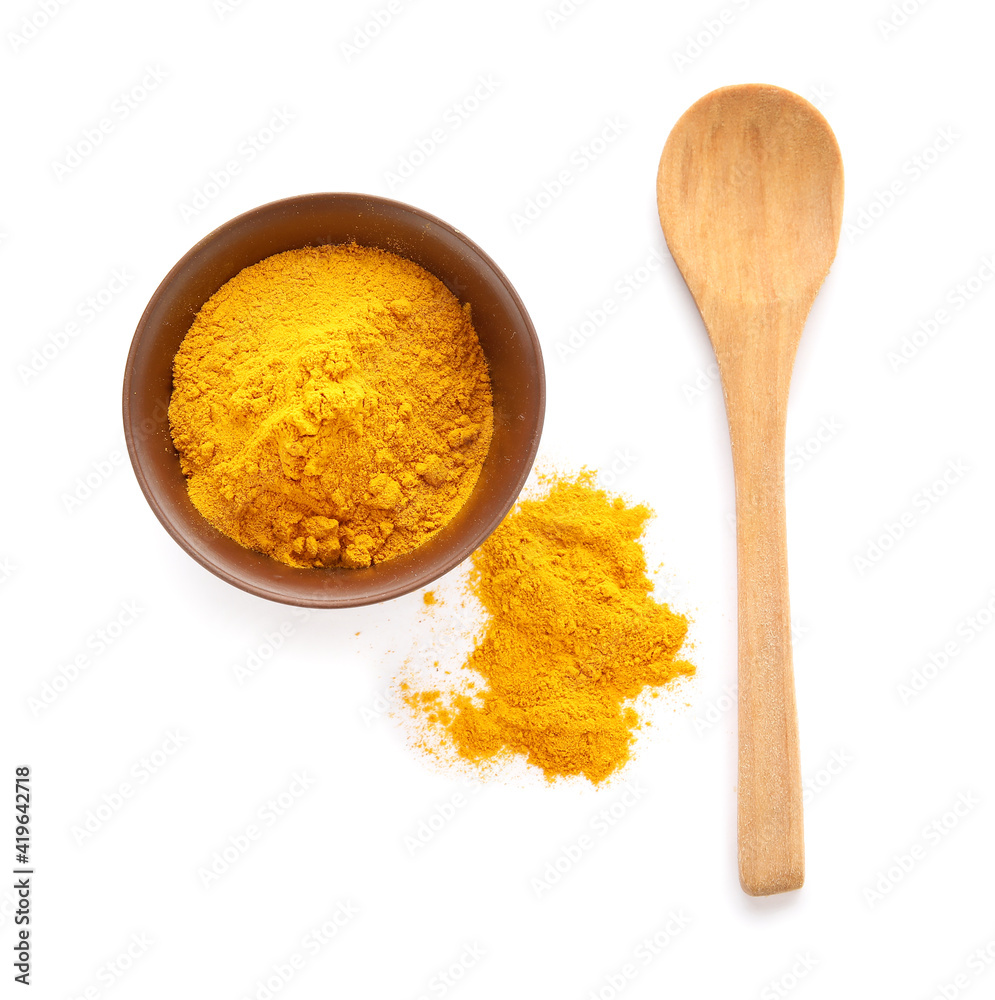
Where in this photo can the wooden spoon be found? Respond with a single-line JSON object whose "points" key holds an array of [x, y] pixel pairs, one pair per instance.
{"points": [[750, 192]]}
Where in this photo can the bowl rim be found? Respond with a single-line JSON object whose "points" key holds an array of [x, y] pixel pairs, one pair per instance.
{"points": [[436, 568]]}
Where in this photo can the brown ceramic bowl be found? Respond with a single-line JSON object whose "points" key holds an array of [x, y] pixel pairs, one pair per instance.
{"points": [[506, 335]]}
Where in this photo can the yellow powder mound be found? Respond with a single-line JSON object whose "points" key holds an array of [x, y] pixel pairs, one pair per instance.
{"points": [[331, 406], [571, 637]]}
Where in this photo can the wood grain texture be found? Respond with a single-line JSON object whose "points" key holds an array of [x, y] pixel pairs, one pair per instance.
{"points": [[750, 193]]}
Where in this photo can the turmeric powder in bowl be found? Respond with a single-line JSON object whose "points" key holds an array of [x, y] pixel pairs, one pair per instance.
{"points": [[331, 406]]}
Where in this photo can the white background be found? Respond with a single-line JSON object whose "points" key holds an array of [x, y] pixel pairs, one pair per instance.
{"points": [[630, 389]]}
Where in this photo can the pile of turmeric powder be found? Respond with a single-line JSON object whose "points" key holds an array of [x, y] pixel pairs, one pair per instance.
{"points": [[331, 406], [571, 636]]}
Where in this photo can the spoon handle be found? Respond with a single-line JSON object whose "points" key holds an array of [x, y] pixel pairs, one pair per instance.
{"points": [[771, 842]]}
